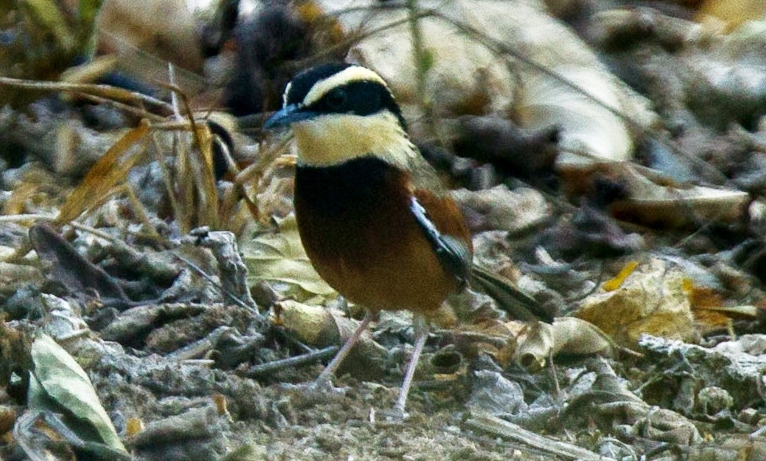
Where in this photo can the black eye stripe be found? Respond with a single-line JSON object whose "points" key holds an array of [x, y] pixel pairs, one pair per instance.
{"points": [[362, 97], [337, 98], [304, 81]]}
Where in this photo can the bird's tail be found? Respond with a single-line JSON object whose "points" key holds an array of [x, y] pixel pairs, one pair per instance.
{"points": [[518, 304]]}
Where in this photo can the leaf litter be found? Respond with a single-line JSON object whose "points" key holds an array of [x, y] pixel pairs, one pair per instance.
{"points": [[640, 223]]}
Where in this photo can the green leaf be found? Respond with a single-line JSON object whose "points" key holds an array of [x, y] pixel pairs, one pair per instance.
{"points": [[60, 384]]}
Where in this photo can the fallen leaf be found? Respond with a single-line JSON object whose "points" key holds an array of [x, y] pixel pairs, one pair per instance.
{"points": [[111, 170], [617, 281], [280, 258], [61, 384], [651, 301]]}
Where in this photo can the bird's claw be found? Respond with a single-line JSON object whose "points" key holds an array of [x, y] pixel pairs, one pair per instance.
{"points": [[316, 391], [326, 386], [395, 415]]}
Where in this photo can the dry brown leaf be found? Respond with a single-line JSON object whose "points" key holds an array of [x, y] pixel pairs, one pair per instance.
{"points": [[320, 327], [578, 337], [280, 259], [732, 12], [196, 203], [499, 208], [567, 335], [650, 201], [313, 325], [110, 171], [466, 68], [651, 301], [710, 311], [462, 77], [590, 129], [650, 198]]}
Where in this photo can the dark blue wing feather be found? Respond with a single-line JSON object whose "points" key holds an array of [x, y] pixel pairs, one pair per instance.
{"points": [[454, 256]]}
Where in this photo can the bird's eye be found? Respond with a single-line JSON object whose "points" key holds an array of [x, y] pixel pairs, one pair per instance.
{"points": [[336, 99]]}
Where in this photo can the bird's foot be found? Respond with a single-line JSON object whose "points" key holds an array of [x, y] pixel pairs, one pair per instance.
{"points": [[322, 385], [395, 415], [320, 390]]}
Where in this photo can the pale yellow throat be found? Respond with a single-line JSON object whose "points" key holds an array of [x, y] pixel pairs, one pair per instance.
{"points": [[336, 138]]}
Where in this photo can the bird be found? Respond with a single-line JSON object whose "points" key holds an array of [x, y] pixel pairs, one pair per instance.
{"points": [[374, 218]]}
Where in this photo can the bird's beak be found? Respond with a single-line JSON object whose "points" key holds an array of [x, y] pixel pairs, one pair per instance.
{"points": [[288, 115]]}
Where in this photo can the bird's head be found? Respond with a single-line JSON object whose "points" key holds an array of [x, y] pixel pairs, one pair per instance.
{"points": [[339, 112]]}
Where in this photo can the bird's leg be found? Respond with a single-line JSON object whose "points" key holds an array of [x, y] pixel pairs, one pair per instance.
{"points": [[326, 375], [421, 333]]}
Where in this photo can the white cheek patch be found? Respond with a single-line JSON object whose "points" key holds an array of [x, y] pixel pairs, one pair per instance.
{"points": [[336, 138]]}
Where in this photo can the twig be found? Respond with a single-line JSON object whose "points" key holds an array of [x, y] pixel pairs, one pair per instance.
{"points": [[297, 361], [420, 56], [210, 279], [26, 217], [505, 429], [232, 270], [104, 91], [472, 337], [137, 111], [359, 35]]}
